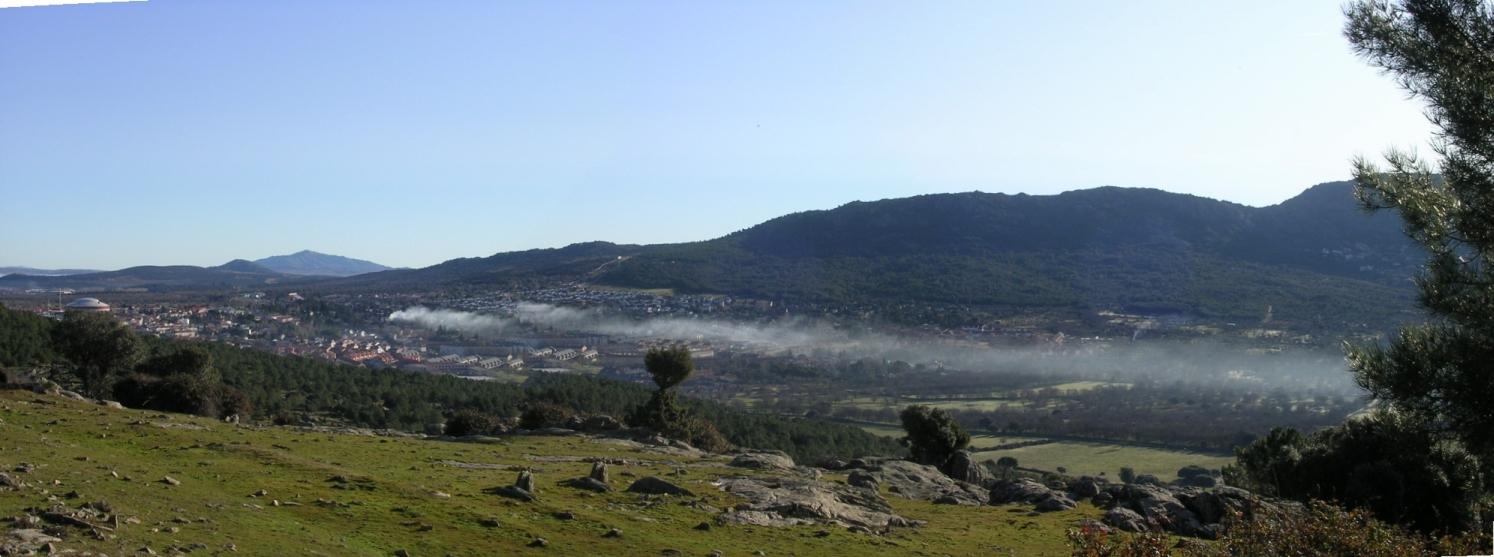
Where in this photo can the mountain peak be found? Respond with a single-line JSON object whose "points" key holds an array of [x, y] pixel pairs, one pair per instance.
{"points": [[244, 266]]}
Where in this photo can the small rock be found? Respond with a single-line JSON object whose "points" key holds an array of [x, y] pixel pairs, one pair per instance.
{"points": [[704, 526], [539, 542], [168, 480], [655, 486], [401, 553], [489, 522], [613, 533], [525, 481], [564, 515]]}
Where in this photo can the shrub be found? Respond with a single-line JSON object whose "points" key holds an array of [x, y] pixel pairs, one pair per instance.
{"points": [[470, 422], [933, 436], [181, 393], [541, 415], [1397, 469], [1323, 530]]}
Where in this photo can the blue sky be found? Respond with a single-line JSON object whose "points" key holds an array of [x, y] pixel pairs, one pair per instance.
{"points": [[408, 133]]}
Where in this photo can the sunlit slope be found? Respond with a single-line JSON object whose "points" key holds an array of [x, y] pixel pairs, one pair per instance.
{"points": [[345, 494]]}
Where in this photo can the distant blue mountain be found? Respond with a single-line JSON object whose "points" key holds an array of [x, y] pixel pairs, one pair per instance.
{"points": [[307, 262]]}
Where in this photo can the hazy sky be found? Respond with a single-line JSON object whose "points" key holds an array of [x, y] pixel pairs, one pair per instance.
{"points": [[177, 132]]}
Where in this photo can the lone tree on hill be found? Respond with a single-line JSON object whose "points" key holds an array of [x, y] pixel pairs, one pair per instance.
{"points": [[100, 348], [1440, 374], [933, 436], [669, 366], [663, 411]]}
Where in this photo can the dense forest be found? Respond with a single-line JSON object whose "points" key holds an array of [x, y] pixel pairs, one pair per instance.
{"points": [[289, 388]]}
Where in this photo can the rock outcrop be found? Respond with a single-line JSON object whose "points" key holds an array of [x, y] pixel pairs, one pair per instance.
{"points": [[1186, 511], [962, 466], [1025, 490], [911, 480], [782, 502], [763, 460]]}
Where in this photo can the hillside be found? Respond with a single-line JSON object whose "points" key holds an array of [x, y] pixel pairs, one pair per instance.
{"points": [[238, 273], [1314, 258], [296, 491], [307, 262]]}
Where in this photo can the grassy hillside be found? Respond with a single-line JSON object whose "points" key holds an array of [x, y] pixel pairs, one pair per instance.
{"points": [[422, 496]]}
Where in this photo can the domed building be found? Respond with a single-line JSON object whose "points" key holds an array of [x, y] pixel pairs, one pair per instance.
{"points": [[88, 305]]}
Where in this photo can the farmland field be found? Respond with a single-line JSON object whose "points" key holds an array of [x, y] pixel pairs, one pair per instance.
{"points": [[1081, 458], [1093, 459]]}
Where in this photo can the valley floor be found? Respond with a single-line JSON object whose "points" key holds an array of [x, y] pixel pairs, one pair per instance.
{"points": [[246, 490]]}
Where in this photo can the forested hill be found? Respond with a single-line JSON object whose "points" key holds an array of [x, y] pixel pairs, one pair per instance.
{"points": [[1313, 257]]}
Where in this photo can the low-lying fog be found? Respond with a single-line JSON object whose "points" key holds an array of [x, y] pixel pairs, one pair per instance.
{"points": [[1118, 360]]}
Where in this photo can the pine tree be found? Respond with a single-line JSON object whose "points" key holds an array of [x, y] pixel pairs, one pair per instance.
{"points": [[1440, 373]]}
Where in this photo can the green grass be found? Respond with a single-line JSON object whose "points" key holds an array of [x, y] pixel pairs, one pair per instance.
{"points": [[1080, 386], [1080, 458], [79, 447]]}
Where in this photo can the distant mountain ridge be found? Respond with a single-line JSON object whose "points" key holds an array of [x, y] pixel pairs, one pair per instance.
{"points": [[307, 262], [238, 273], [1313, 257], [44, 272]]}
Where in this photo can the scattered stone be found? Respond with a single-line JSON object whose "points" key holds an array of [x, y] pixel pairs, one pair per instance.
{"points": [[598, 471], [653, 485], [704, 526], [401, 553], [539, 542], [260, 493], [1086, 486], [588, 484], [489, 522], [168, 480], [525, 481], [862, 478], [33, 537], [1125, 519], [564, 515], [613, 533], [1055, 503], [511, 492]]}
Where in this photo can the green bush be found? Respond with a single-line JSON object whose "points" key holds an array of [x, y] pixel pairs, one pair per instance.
{"points": [[1399, 470], [470, 422], [1322, 530], [933, 435], [540, 415], [181, 393]]}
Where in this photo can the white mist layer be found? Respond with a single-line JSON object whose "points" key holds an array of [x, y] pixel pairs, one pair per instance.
{"points": [[1120, 360]]}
